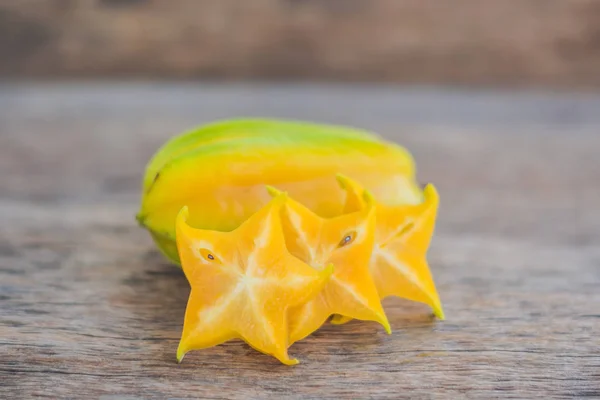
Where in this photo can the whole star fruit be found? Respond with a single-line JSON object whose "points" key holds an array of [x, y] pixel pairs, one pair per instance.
{"points": [[243, 283], [219, 171], [346, 241], [402, 238]]}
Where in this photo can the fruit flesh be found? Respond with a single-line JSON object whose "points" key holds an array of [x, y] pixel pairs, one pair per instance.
{"points": [[402, 237], [346, 242], [243, 283]]}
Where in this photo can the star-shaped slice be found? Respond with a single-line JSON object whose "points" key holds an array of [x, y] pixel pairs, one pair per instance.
{"points": [[243, 283], [402, 238], [346, 242]]}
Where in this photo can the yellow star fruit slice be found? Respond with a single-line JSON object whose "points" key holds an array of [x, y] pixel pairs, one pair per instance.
{"points": [[243, 283], [346, 242], [402, 238]]}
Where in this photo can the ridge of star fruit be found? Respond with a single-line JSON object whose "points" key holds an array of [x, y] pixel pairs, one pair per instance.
{"points": [[402, 237], [242, 283], [346, 242]]}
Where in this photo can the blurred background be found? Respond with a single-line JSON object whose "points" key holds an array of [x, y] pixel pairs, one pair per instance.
{"points": [[554, 43]]}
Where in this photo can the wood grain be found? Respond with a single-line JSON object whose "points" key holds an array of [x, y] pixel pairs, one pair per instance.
{"points": [[90, 310], [477, 42]]}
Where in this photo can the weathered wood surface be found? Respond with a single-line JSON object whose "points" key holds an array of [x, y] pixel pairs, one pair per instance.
{"points": [[532, 42], [90, 310]]}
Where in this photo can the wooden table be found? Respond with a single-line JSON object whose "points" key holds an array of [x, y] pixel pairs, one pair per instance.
{"points": [[90, 310]]}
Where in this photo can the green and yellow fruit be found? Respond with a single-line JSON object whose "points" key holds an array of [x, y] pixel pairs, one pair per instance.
{"points": [[220, 171]]}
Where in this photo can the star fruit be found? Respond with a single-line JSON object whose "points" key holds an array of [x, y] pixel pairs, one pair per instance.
{"points": [[243, 283], [220, 170], [402, 237], [346, 242]]}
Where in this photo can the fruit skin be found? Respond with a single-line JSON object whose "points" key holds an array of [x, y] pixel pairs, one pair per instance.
{"points": [[219, 171]]}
